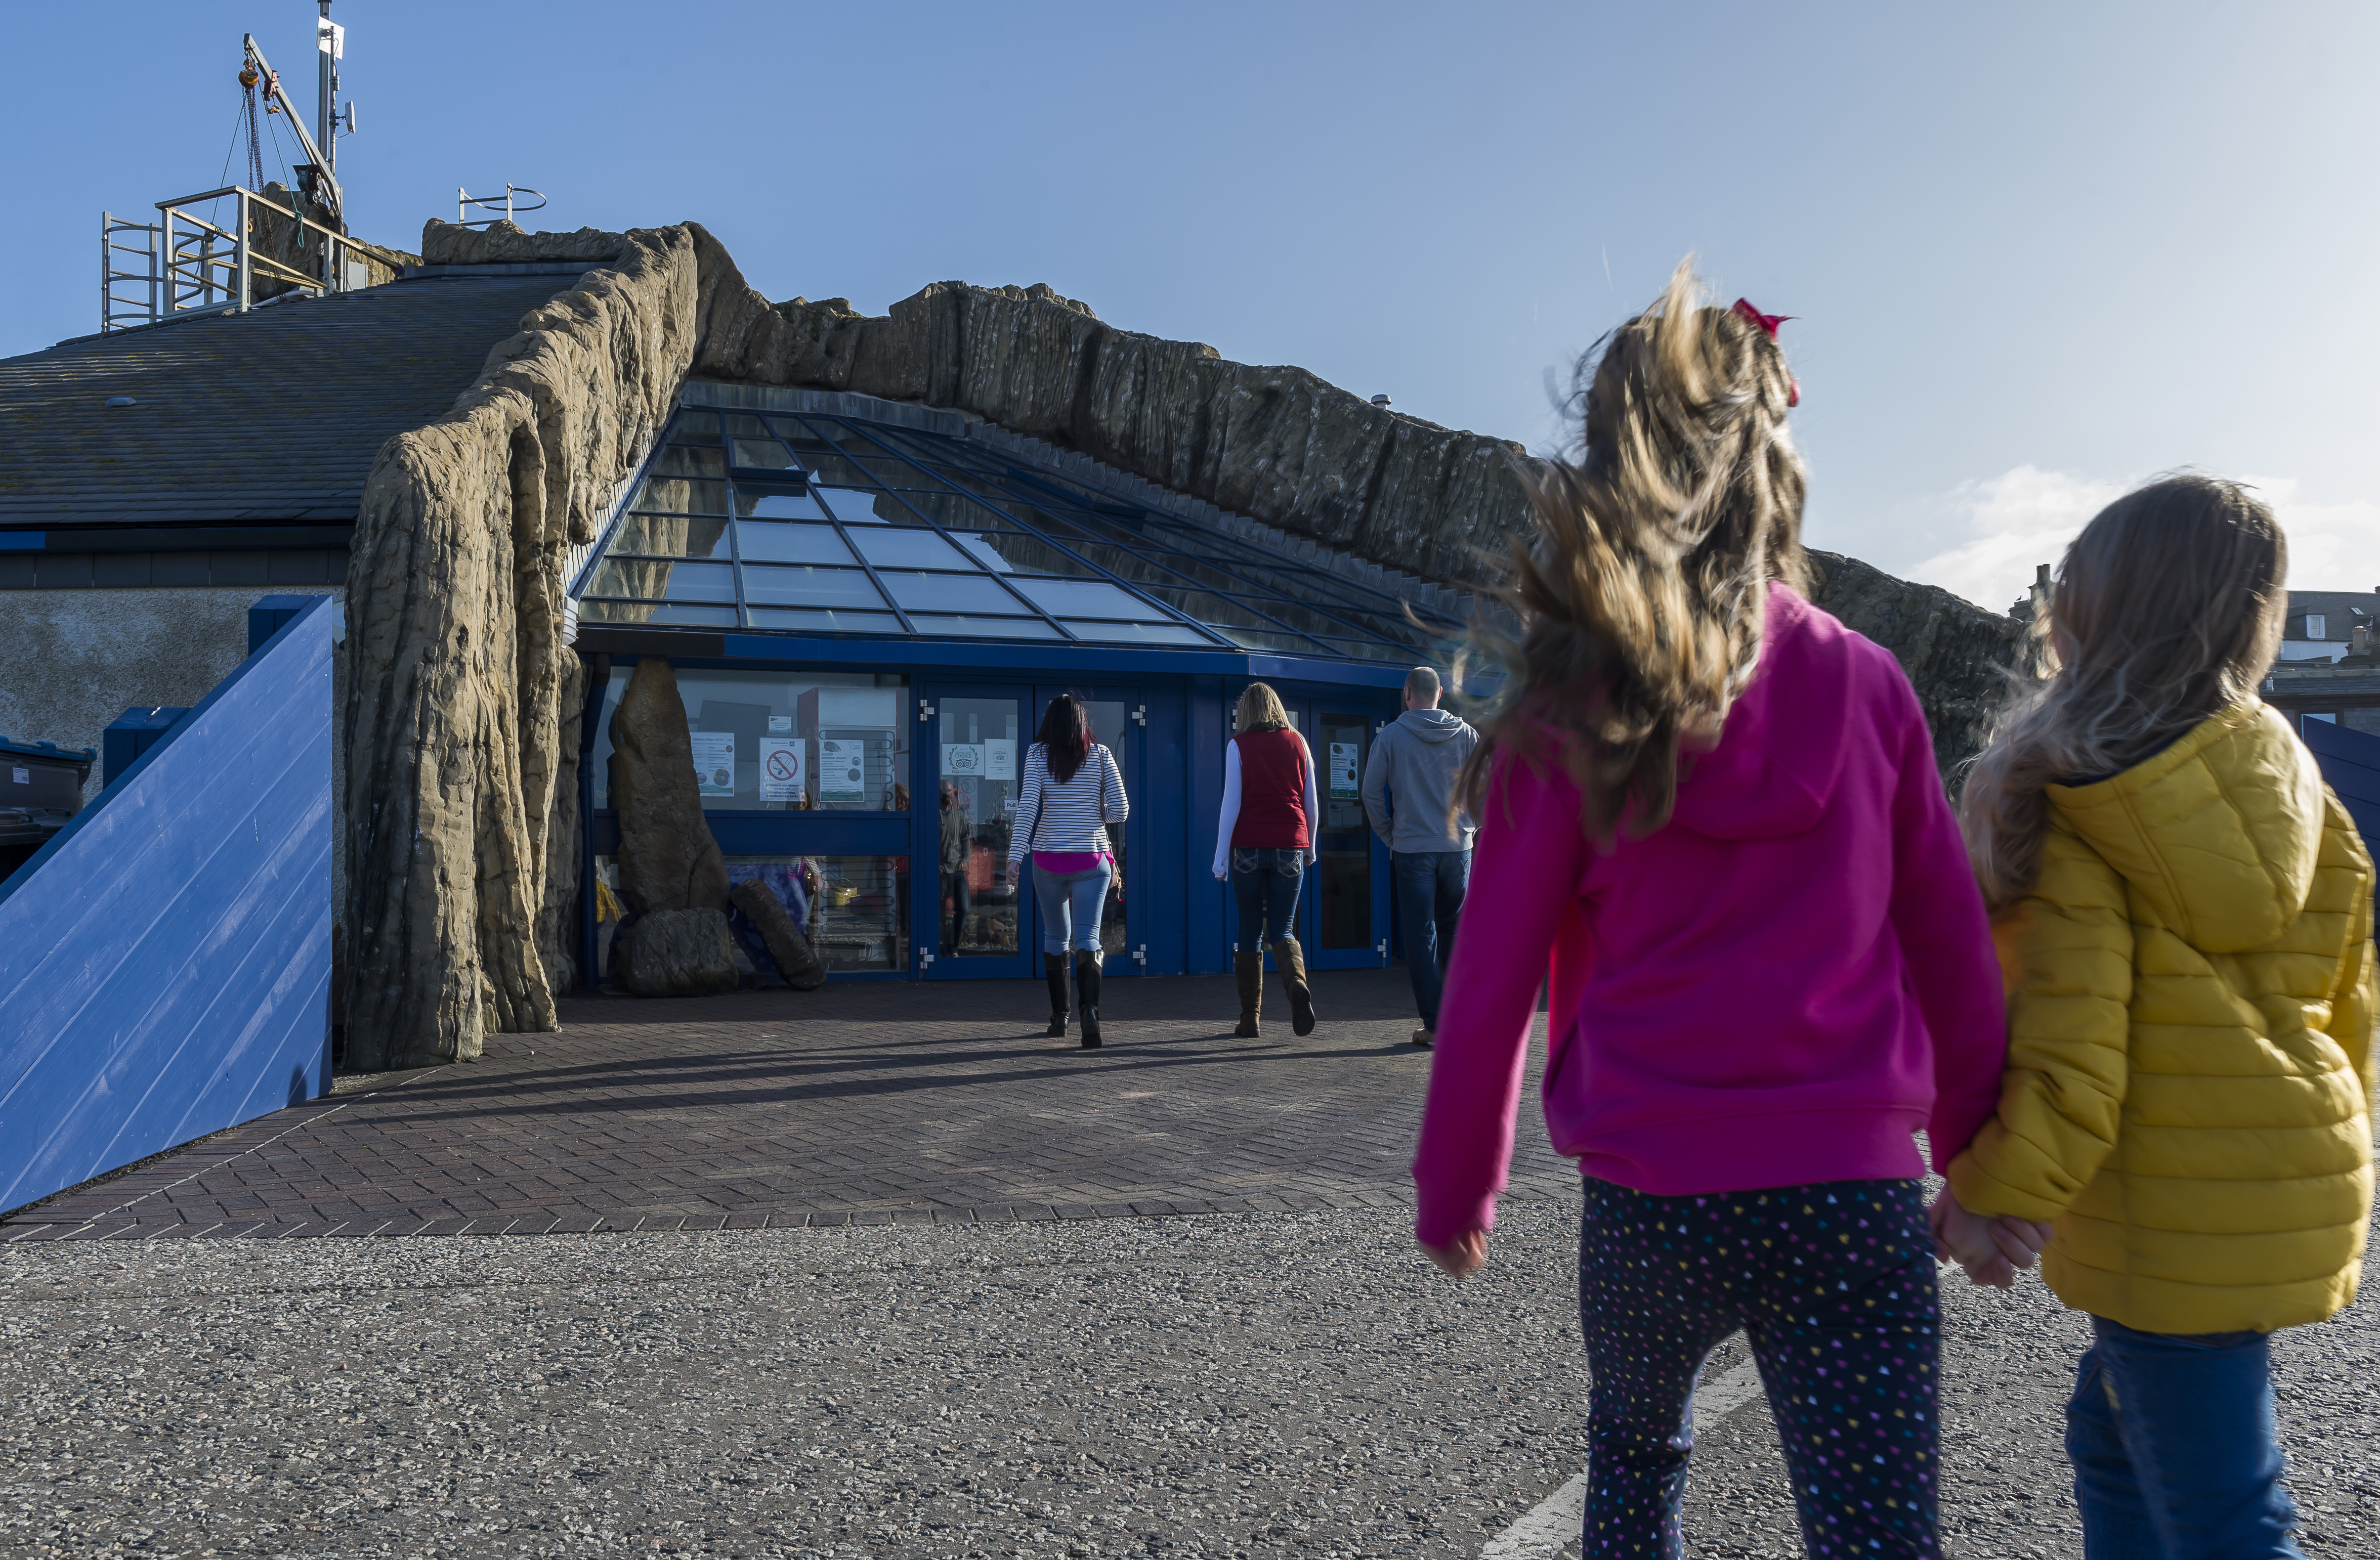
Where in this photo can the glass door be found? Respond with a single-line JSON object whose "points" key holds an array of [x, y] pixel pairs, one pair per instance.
{"points": [[1116, 715], [1348, 917], [975, 924]]}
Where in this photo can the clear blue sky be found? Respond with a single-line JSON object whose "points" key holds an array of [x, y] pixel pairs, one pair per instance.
{"points": [[2037, 252]]}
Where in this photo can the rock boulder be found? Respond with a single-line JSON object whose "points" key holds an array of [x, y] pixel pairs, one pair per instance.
{"points": [[676, 953], [668, 859], [791, 951]]}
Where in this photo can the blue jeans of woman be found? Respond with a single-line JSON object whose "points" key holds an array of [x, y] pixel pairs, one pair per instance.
{"points": [[1264, 884], [1071, 897], [2172, 1438]]}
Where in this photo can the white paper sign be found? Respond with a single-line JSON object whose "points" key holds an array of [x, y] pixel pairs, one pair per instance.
{"points": [[714, 762], [842, 769], [781, 768], [1000, 758], [781, 725], [963, 758], [1343, 771]]}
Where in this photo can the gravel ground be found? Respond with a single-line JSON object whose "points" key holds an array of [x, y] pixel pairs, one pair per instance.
{"points": [[1256, 1384]]}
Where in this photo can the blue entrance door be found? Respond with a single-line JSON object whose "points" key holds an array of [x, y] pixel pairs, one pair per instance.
{"points": [[970, 923], [1343, 907]]}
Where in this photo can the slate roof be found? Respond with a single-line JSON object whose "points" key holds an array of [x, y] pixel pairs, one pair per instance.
{"points": [[268, 417]]}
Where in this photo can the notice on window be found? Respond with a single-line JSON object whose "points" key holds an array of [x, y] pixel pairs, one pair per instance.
{"points": [[780, 770], [842, 769], [1000, 759], [714, 762], [962, 758], [781, 725], [1343, 785]]}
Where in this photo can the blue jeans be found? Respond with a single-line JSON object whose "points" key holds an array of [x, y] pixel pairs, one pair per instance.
{"points": [[1264, 883], [1429, 886], [2172, 1438], [1076, 896]]}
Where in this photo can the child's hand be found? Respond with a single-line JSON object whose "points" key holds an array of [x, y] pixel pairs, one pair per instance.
{"points": [[1462, 1256], [1990, 1250]]}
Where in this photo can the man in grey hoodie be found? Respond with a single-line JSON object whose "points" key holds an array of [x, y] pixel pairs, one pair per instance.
{"points": [[1409, 796]]}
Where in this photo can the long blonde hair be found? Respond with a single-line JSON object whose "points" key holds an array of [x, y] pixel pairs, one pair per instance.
{"points": [[1260, 710], [1640, 598], [2168, 609]]}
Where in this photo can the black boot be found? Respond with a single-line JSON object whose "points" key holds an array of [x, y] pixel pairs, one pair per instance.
{"points": [[1087, 994], [1054, 964]]}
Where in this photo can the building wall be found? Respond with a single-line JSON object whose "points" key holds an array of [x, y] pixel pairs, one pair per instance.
{"points": [[73, 660]]}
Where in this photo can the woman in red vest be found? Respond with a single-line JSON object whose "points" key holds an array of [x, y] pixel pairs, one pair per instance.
{"points": [[1262, 847]]}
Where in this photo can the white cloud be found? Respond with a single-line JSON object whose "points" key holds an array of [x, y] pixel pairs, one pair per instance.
{"points": [[2025, 516], [2013, 521]]}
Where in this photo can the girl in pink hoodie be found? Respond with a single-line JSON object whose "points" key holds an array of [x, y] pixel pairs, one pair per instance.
{"points": [[1712, 828]]}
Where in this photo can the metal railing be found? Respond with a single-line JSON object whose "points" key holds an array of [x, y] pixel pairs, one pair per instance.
{"points": [[463, 204], [186, 263]]}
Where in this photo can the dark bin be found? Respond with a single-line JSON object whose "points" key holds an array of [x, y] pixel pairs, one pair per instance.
{"points": [[41, 788]]}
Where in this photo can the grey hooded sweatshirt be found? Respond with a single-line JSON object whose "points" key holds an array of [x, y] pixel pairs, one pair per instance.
{"points": [[1417, 759]]}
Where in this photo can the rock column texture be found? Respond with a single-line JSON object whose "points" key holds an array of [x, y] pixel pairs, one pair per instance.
{"points": [[459, 678], [668, 859]]}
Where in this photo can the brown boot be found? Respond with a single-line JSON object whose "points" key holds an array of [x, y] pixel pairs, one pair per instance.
{"points": [[1291, 959], [1248, 964]]}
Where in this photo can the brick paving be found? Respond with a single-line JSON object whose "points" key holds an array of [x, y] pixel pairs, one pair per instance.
{"points": [[856, 1103]]}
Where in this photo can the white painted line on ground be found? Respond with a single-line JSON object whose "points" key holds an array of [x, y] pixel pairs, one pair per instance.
{"points": [[1555, 1520]]}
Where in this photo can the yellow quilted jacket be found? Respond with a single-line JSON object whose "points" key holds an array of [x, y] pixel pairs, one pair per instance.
{"points": [[2190, 1071]]}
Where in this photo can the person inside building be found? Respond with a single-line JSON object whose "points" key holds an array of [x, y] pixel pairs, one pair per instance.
{"points": [[1409, 787], [954, 862], [1264, 842], [1070, 791]]}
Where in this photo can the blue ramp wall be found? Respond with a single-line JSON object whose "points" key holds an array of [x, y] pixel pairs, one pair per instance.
{"points": [[2350, 766], [165, 961]]}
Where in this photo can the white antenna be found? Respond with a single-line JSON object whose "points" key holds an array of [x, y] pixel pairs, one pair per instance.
{"points": [[330, 48]]}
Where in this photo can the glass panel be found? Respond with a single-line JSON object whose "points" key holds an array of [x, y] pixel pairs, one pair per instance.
{"points": [[863, 506], [775, 584], [680, 461], [1138, 632], [985, 628], [786, 741], [823, 621], [762, 503], [862, 920], [1082, 598], [681, 495], [1344, 895], [763, 453], [909, 549], [1021, 553], [701, 582], [650, 611], [979, 913], [789, 544], [696, 428], [949, 593], [744, 425], [669, 536]]}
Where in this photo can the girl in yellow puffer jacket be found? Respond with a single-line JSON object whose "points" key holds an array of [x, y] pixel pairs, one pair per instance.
{"points": [[2184, 914]]}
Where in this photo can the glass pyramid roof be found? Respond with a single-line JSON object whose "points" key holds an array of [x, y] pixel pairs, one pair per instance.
{"points": [[811, 523]]}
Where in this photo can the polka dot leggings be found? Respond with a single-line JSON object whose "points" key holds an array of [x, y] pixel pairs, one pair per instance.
{"points": [[1833, 1285]]}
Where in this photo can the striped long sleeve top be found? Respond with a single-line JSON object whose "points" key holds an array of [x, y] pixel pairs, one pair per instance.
{"points": [[1067, 819]]}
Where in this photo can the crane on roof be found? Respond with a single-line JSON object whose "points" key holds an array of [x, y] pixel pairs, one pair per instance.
{"points": [[316, 176]]}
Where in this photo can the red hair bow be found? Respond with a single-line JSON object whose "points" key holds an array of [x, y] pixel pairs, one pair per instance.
{"points": [[1770, 322]]}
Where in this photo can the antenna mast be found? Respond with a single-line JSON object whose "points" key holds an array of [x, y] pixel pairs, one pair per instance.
{"points": [[330, 39], [330, 47]]}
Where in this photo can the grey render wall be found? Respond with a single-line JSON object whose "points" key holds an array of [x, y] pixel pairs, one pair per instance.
{"points": [[73, 660]]}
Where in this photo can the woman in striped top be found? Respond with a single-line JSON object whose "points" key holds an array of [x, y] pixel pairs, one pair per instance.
{"points": [[1070, 791]]}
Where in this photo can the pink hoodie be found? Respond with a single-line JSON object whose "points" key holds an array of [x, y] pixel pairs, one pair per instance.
{"points": [[1776, 989]]}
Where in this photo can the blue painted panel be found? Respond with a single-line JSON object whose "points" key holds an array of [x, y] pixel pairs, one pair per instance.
{"points": [[166, 961], [23, 541], [133, 733], [2351, 763], [782, 834], [1164, 884], [1208, 730]]}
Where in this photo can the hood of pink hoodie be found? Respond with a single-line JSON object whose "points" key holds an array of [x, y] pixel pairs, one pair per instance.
{"points": [[1780, 755]]}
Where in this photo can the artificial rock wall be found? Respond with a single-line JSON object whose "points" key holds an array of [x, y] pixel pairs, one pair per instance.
{"points": [[461, 814]]}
